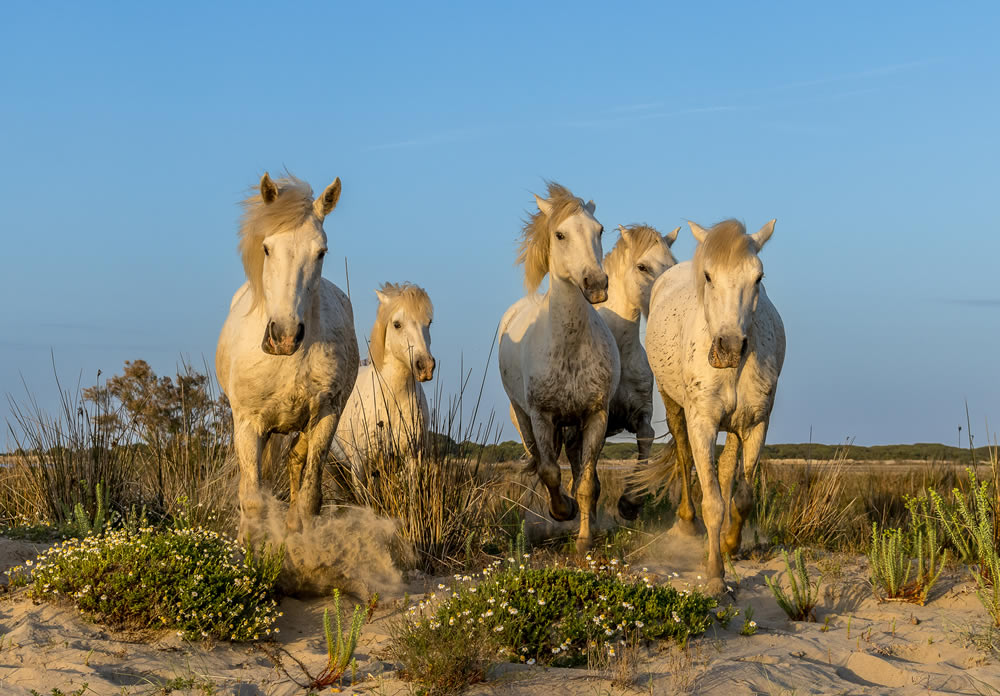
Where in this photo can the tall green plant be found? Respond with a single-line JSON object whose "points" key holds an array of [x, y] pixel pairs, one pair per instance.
{"points": [[339, 645], [971, 527]]}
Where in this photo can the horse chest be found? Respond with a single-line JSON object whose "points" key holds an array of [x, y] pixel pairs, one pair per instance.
{"points": [[575, 381]]}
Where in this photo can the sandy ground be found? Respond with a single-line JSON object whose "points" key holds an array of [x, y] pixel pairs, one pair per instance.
{"points": [[889, 648]]}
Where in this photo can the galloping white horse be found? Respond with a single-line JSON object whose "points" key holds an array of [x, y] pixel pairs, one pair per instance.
{"points": [[287, 356], [388, 402], [639, 257], [558, 360], [716, 345]]}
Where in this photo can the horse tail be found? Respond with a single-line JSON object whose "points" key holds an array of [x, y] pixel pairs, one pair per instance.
{"points": [[657, 475]]}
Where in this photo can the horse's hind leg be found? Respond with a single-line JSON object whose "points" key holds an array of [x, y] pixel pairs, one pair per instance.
{"points": [[677, 423], [728, 472], [588, 490], [249, 445], [296, 460], [630, 502], [547, 439]]}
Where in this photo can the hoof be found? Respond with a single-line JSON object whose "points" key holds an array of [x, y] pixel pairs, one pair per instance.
{"points": [[627, 509], [686, 527], [564, 512], [583, 545], [715, 587]]}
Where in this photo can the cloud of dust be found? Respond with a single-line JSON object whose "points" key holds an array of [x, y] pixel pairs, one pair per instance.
{"points": [[352, 550]]}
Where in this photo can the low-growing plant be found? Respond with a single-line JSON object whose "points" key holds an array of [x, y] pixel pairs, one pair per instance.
{"points": [[193, 580], [970, 526], [546, 615], [726, 614], [801, 603], [749, 625]]}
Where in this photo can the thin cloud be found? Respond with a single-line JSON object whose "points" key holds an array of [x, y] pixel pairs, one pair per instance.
{"points": [[881, 71], [430, 140], [602, 122]]}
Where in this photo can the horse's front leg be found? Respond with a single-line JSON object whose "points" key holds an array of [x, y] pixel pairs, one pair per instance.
{"points": [[249, 444], [682, 446], [630, 502], [753, 443], [548, 440], [310, 498], [728, 465], [589, 488], [702, 432], [296, 460]]}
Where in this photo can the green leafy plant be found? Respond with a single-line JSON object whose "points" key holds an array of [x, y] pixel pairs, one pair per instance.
{"points": [[193, 580], [801, 603], [971, 527], [340, 646], [81, 524], [890, 557], [726, 614]]}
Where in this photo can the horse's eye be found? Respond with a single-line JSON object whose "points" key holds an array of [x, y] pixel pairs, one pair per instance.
{"points": [[267, 252], [642, 268], [560, 236], [759, 278], [708, 278], [600, 231], [322, 253], [396, 325]]}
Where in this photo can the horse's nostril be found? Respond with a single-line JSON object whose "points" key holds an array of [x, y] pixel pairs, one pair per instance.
{"points": [[270, 331], [300, 332], [420, 364]]}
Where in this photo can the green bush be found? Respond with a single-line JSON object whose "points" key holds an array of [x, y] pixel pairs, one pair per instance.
{"points": [[891, 554], [550, 615], [193, 580]]}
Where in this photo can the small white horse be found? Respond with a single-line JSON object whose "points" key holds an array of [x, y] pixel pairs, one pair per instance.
{"points": [[388, 403], [287, 356], [716, 345], [639, 257], [558, 360]]}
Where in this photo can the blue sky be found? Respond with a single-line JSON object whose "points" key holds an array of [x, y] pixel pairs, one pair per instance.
{"points": [[131, 130]]}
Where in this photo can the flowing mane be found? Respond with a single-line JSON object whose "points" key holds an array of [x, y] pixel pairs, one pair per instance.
{"points": [[414, 301], [290, 209], [643, 237], [727, 246], [534, 249]]}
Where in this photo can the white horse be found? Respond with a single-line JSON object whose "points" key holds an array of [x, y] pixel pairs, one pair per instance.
{"points": [[287, 356], [716, 345], [558, 360], [639, 257], [388, 403]]}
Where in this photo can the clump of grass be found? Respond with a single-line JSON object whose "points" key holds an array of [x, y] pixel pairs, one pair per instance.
{"points": [[749, 625], [890, 557], [340, 645], [195, 581], [800, 605], [970, 524]]}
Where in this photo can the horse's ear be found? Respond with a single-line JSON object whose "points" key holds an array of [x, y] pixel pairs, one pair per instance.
{"points": [[626, 234], [328, 201], [697, 231], [761, 236], [382, 297], [268, 189], [669, 239], [590, 207], [544, 206]]}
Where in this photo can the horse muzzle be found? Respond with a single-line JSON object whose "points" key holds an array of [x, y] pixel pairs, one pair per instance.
{"points": [[279, 342], [595, 287], [727, 352], [423, 368]]}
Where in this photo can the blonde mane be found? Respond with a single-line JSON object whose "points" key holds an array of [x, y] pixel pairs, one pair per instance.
{"points": [[643, 236], [534, 249], [727, 245], [290, 209], [414, 300]]}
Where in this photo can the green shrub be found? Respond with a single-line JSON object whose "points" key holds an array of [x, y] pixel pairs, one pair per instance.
{"points": [[339, 645], [193, 580], [804, 597], [551, 615]]}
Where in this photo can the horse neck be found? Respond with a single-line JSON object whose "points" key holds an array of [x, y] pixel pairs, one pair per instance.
{"points": [[620, 314], [568, 309], [397, 375]]}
